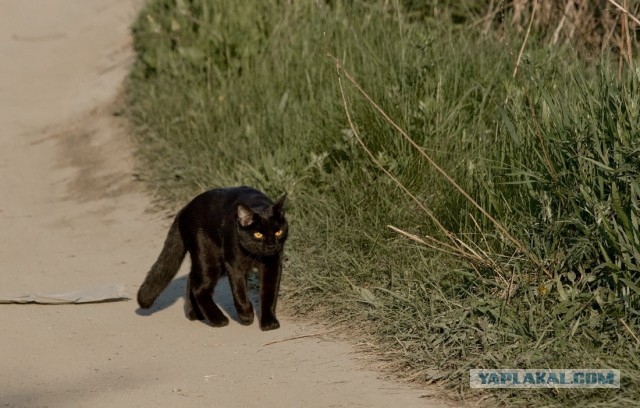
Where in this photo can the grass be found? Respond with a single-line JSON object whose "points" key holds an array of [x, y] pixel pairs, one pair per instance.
{"points": [[223, 94]]}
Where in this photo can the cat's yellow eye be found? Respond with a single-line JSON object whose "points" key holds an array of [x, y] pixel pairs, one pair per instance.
{"points": [[279, 233], [258, 235]]}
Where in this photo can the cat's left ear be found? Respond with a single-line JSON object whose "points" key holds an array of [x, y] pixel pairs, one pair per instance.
{"points": [[245, 215], [278, 207]]}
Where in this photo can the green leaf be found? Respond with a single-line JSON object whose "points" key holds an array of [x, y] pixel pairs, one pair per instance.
{"points": [[193, 53], [631, 285], [561, 292], [369, 297], [510, 127]]}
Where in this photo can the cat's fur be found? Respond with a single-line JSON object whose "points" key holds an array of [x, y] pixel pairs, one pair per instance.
{"points": [[231, 230]]}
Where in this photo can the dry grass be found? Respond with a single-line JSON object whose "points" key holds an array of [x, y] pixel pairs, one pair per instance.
{"points": [[590, 26], [528, 254]]}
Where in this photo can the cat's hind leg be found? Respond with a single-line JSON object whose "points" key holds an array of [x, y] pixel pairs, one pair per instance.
{"points": [[203, 299], [206, 268], [191, 308]]}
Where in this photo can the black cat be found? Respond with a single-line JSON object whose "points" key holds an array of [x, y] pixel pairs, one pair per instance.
{"points": [[229, 229]]}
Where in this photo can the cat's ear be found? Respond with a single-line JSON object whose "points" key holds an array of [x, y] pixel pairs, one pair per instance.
{"points": [[245, 215], [278, 207]]}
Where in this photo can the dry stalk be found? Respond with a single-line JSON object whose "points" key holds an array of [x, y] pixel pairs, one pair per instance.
{"points": [[556, 33], [627, 36], [442, 247], [372, 157], [340, 68], [625, 11], [301, 336], [626, 326], [526, 37]]}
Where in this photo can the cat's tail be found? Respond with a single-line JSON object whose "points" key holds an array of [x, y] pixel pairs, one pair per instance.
{"points": [[165, 267]]}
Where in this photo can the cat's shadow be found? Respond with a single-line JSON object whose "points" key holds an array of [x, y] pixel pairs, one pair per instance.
{"points": [[222, 296]]}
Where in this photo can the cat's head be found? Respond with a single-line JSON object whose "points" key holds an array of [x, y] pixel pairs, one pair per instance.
{"points": [[262, 230]]}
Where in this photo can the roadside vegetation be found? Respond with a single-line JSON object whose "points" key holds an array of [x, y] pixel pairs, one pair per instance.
{"points": [[463, 176]]}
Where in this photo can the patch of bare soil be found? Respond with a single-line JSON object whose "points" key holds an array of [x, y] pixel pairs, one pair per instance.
{"points": [[72, 216]]}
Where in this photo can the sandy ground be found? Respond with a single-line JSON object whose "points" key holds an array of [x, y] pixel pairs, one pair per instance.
{"points": [[72, 216]]}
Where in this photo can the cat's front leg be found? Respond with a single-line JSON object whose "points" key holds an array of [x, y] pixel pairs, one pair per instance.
{"points": [[269, 287], [238, 282]]}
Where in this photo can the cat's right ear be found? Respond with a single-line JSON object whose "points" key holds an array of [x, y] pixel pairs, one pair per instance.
{"points": [[245, 215], [278, 207]]}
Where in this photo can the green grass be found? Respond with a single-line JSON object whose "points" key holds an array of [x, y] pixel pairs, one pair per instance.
{"points": [[223, 94]]}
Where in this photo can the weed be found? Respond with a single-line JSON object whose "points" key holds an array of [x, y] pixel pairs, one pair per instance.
{"points": [[535, 265]]}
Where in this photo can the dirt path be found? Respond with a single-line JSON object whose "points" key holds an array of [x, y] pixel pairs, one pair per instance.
{"points": [[72, 216]]}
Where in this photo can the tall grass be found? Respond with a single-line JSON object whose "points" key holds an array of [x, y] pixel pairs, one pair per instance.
{"points": [[226, 94]]}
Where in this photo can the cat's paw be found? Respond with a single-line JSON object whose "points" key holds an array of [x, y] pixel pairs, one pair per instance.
{"points": [[270, 323], [219, 321], [192, 314], [246, 319]]}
